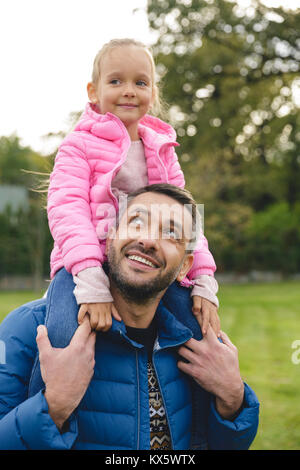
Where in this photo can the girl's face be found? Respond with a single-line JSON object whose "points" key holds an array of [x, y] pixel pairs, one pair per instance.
{"points": [[125, 87]]}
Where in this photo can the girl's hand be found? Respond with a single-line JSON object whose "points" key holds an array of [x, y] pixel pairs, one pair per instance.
{"points": [[100, 315], [206, 314]]}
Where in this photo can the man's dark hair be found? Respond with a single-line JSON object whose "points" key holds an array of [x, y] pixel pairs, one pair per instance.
{"points": [[183, 196]]}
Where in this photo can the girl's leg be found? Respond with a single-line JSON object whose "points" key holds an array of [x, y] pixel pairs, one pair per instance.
{"points": [[62, 309], [60, 320]]}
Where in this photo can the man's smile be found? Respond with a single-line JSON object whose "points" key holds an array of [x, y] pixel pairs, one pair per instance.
{"points": [[138, 259]]}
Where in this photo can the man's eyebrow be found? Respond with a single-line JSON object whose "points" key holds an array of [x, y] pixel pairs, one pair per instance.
{"points": [[135, 210]]}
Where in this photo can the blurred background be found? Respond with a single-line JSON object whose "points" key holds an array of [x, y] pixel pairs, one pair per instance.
{"points": [[229, 76]]}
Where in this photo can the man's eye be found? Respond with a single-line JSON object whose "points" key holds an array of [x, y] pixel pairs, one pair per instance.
{"points": [[137, 221], [170, 233]]}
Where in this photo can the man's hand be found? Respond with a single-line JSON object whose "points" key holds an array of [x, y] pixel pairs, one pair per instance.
{"points": [[206, 314], [215, 367], [66, 372]]}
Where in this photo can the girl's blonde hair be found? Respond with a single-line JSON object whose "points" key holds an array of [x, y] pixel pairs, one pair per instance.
{"points": [[158, 106]]}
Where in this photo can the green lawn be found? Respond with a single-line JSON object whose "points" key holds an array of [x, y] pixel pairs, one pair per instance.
{"points": [[262, 320], [9, 300]]}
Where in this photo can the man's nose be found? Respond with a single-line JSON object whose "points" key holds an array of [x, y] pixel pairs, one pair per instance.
{"points": [[148, 243]]}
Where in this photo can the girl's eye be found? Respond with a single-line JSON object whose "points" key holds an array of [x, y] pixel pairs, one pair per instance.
{"points": [[115, 81], [141, 83]]}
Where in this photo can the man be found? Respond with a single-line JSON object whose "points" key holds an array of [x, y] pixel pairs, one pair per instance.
{"points": [[132, 387]]}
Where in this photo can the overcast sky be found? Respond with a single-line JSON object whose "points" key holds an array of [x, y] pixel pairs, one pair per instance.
{"points": [[46, 55]]}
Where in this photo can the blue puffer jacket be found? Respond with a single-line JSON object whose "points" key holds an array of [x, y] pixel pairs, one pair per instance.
{"points": [[114, 413]]}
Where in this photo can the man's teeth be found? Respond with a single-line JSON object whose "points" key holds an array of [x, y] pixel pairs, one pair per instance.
{"points": [[142, 260]]}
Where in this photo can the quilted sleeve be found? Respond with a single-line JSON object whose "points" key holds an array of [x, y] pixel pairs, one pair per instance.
{"points": [[175, 173], [69, 212], [204, 262], [25, 423], [238, 434]]}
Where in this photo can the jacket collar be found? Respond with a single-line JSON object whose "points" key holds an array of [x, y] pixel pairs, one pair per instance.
{"points": [[153, 131], [170, 333]]}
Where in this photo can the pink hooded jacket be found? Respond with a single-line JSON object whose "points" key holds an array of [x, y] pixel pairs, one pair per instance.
{"points": [[81, 205]]}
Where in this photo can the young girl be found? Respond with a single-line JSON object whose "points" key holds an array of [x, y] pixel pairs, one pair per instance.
{"points": [[116, 148]]}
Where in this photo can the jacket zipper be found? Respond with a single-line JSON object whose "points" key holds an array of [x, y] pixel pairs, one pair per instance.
{"points": [[161, 162], [160, 388], [115, 200], [161, 391]]}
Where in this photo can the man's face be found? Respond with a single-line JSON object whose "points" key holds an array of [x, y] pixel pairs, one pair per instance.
{"points": [[148, 252]]}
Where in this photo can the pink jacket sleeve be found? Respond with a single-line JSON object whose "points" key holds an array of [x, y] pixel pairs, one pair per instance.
{"points": [[69, 212], [203, 260]]}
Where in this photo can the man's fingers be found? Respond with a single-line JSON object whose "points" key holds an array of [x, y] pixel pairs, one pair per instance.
{"points": [[91, 341], [42, 340], [211, 335], [225, 339], [186, 368], [83, 331], [82, 311], [186, 353], [192, 344]]}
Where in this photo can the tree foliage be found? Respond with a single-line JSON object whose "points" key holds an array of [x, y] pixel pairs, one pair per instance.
{"points": [[25, 241], [231, 77]]}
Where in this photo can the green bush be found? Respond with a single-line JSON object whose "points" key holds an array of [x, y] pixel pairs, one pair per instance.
{"points": [[274, 239]]}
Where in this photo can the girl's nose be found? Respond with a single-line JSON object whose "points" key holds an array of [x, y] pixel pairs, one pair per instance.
{"points": [[129, 90]]}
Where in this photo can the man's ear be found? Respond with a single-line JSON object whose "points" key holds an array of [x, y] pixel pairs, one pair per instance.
{"points": [[92, 92], [186, 266]]}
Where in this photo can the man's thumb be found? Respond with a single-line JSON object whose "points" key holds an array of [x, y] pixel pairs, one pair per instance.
{"points": [[42, 338]]}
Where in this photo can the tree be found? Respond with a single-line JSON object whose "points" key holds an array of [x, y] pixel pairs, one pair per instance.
{"points": [[25, 241], [231, 77]]}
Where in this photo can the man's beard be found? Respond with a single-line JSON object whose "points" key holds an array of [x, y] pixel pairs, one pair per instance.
{"points": [[138, 293]]}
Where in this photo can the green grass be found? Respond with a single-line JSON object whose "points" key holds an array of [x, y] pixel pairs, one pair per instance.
{"points": [[262, 320], [9, 300]]}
